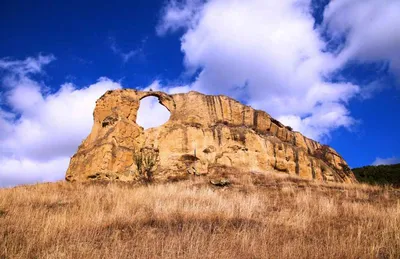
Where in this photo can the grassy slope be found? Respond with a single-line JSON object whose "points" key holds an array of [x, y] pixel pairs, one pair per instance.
{"points": [[258, 216], [381, 175]]}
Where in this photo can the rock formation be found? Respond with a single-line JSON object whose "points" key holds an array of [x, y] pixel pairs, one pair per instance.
{"points": [[202, 133]]}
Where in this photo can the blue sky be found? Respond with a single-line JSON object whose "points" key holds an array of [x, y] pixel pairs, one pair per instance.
{"points": [[331, 70]]}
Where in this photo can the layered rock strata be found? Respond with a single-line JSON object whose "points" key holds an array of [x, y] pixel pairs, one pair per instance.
{"points": [[203, 131]]}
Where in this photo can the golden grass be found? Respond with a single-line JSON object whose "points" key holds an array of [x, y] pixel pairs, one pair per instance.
{"points": [[258, 216]]}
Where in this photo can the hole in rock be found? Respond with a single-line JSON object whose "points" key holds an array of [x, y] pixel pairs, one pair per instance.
{"points": [[151, 113]]}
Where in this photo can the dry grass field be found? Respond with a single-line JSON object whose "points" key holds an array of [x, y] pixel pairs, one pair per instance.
{"points": [[257, 216]]}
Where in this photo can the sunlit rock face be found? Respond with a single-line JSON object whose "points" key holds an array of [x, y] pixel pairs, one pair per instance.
{"points": [[203, 132]]}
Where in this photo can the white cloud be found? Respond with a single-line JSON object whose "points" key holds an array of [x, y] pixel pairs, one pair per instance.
{"points": [[40, 130], [371, 28], [386, 161], [28, 66], [26, 171], [324, 119], [151, 113], [269, 54], [179, 14]]}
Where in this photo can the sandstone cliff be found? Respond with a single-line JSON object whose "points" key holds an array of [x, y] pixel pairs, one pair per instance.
{"points": [[202, 133]]}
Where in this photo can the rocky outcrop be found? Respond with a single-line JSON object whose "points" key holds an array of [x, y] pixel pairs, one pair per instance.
{"points": [[203, 131]]}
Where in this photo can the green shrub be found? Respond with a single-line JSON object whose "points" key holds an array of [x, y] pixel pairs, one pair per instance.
{"points": [[146, 161]]}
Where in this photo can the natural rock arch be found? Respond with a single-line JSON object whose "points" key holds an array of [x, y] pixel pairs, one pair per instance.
{"points": [[240, 137], [163, 98]]}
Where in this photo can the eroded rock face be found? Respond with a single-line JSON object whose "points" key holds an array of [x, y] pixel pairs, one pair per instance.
{"points": [[203, 131]]}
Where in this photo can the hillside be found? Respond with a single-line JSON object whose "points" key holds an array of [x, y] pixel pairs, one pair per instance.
{"points": [[257, 216], [381, 175]]}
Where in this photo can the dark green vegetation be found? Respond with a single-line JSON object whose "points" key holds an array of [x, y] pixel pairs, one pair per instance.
{"points": [[380, 175]]}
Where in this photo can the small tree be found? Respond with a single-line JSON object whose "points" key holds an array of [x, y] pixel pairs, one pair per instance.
{"points": [[146, 161]]}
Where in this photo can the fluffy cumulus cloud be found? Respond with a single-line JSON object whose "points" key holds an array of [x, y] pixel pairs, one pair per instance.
{"points": [[271, 55], [149, 109], [386, 161], [40, 129], [371, 29]]}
